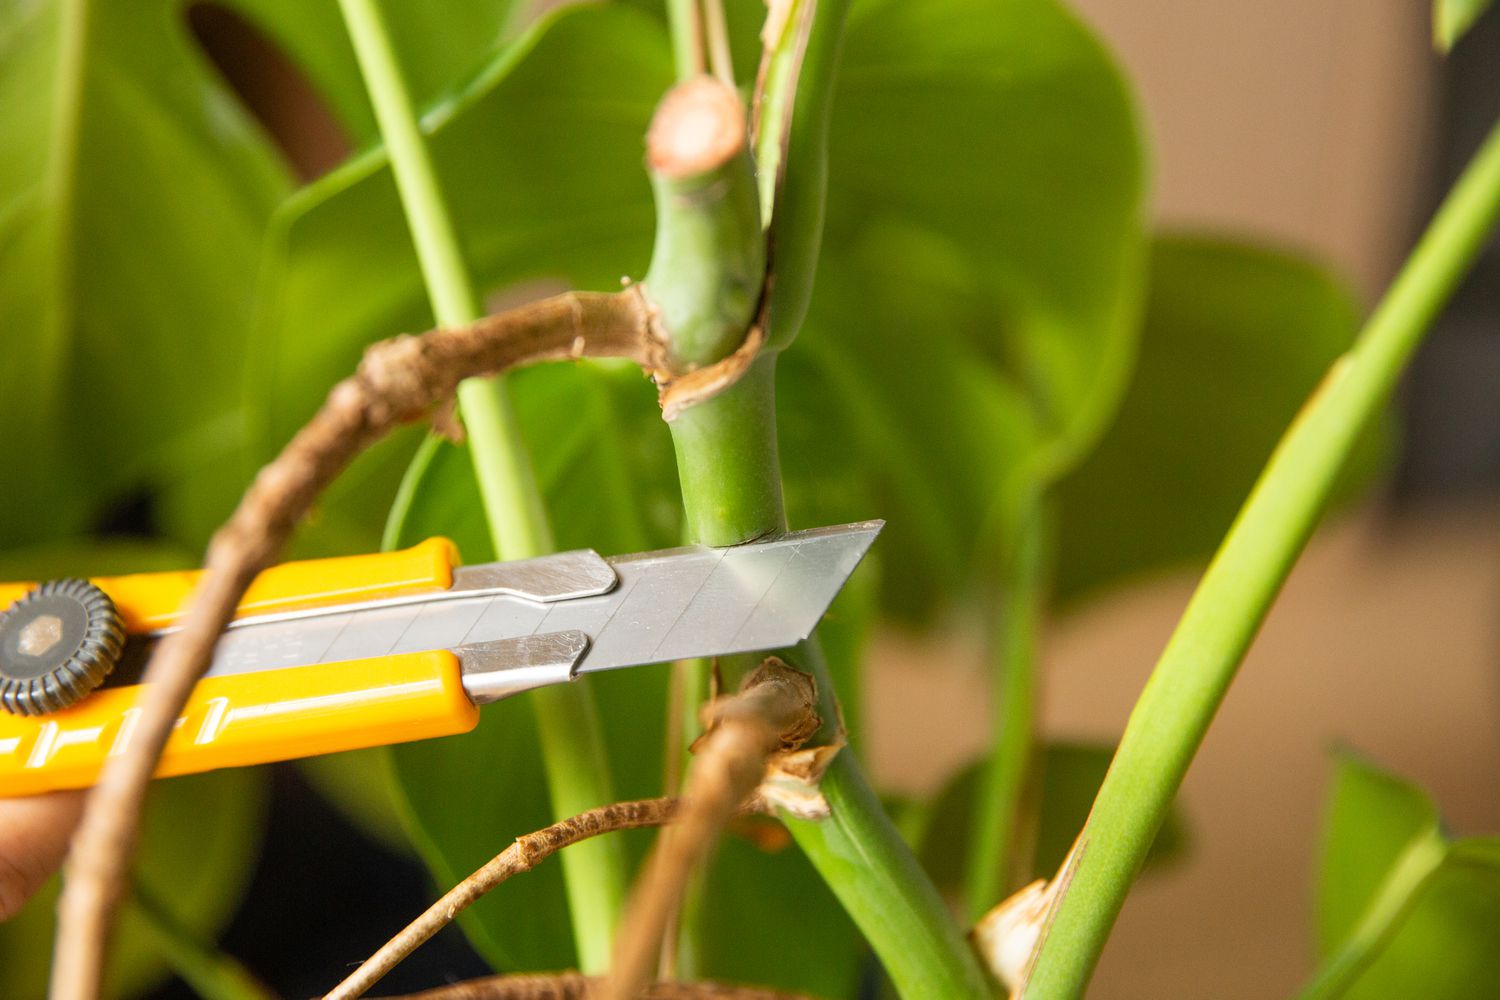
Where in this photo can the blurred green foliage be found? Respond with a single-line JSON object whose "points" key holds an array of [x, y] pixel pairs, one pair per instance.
{"points": [[1451, 19], [198, 848], [1442, 947], [1235, 338]]}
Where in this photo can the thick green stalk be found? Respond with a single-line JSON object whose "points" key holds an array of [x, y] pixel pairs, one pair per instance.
{"points": [[1003, 780], [859, 853], [857, 850], [727, 461], [572, 743], [1391, 902], [862, 857], [708, 260], [1200, 660], [731, 486], [707, 267]]}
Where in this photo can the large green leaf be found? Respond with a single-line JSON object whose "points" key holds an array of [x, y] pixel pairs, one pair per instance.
{"points": [[975, 307], [1235, 338], [197, 850], [1443, 947], [133, 195], [903, 418]]}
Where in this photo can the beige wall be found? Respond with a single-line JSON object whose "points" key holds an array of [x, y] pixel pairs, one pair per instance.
{"points": [[1306, 121]]}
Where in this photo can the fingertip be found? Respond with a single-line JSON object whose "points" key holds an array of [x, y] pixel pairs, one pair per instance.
{"points": [[34, 834]]}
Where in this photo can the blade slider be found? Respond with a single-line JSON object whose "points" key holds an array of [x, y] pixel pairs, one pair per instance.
{"points": [[503, 667]]}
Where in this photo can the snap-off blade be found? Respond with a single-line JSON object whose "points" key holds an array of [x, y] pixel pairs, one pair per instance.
{"points": [[668, 605]]}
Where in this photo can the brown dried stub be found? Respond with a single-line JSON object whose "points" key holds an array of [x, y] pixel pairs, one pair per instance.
{"points": [[698, 127]]}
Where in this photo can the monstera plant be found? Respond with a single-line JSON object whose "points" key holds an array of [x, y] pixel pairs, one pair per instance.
{"points": [[883, 259]]}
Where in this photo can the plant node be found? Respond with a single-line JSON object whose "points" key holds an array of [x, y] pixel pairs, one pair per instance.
{"points": [[698, 128]]}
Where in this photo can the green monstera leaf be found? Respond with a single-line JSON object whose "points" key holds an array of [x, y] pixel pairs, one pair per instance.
{"points": [[134, 192], [1404, 908], [975, 308], [198, 849], [1236, 337]]}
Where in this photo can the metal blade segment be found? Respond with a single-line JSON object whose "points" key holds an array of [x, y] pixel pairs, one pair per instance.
{"points": [[668, 605]]}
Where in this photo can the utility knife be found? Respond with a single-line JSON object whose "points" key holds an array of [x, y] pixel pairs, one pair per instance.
{"points": [[360, 651]]}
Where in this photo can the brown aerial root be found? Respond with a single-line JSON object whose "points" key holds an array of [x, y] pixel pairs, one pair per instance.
{"points": [[523, 855], [575, 986], [399, 381], [680, 392], [774, 712]]}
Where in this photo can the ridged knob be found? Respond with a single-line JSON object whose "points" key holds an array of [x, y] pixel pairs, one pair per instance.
{"points": [[57, 644]]}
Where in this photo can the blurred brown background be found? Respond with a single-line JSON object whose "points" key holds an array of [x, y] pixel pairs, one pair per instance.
{"points": [[1329, 127]]}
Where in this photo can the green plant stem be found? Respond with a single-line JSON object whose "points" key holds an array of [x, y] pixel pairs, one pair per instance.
{"points": [[727, 461], [731, 487], [857, 850], [859, 853], [1380, 919], [731, 483], [573, 749], [685, 20], [707, 268], [708, 261], [862, 857], [1200, 660], [1003, 780]]}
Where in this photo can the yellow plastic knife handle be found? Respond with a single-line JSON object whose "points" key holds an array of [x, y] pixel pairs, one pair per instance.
{"points": [[244, 719], [149, 601]]}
